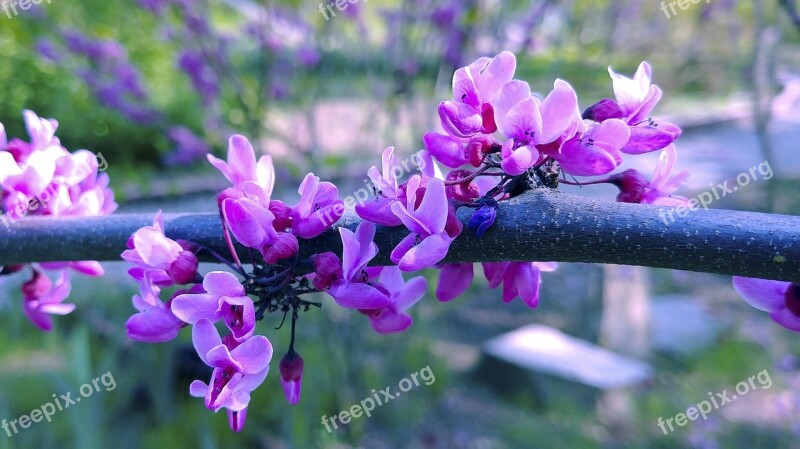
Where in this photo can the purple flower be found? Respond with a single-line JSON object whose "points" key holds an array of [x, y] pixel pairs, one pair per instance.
{"points": [[428, 242], [255, 179], [658, 191], [519, 279], [41, 299], [527, 122], [474, 89], [636, 97], [402, 295], [454, 279], [354, 291], [224, 298], [155, 322], [239, 368], [291, 368], [163, 259], [319, 208], [596, 151], [780, 299], [379, 209]]}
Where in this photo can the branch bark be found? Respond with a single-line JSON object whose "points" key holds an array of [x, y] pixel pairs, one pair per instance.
{"points": [[543, 225]]}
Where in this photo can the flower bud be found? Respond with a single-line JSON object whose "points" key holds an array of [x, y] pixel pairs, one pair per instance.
{"points": [[603, 110], [183, 270], [631, 185], [327, 270], [482, 219], [464, 191], [285, 247], [37, 287], [291, 368]]}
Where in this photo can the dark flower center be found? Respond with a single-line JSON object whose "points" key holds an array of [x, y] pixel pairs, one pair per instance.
{"points": [[793, 299]]}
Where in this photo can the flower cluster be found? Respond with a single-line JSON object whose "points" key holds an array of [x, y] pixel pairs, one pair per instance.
{"points": [[41, 177], [498, 138]]}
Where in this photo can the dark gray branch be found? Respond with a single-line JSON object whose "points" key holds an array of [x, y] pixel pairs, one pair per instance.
{"points": [[542, 225]]}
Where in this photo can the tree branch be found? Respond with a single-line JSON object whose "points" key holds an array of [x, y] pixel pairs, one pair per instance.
{"points": [[543, 225]]}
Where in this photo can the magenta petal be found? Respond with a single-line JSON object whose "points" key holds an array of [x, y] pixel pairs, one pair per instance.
{"points": [[198, 389], [579, 158], [354, 295], [454, 279], [559, 110], [428, 253], [647, 138], [459, 119], [786, 319], [192, 308], [762, 294], [254, 354], [205, 337], [527, 283], [291, 390], [389, 321], [446, 149], [156, 326], [237, 419], [379, 211], [249, 223], [403, 247], [520, 160]]}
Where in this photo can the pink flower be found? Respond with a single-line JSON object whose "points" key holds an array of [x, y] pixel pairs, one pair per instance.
{"points": [[527, 122], [354, 291], [239, 368], [166, 262], [780, 299], [596, 151], [319, 208], [253, 226], [474, 89], [379, 209], [224, 299], [454, 279], [402, 295], [519, 279], [431, 230], [636, 97], [247, 176], [658, 191], [155, 322], [42, 299]]}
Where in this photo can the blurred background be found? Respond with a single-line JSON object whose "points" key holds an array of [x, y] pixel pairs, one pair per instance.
{"points": [[154, 85]]}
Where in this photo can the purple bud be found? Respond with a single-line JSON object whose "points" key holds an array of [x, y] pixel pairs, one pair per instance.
{"points": [[285, 247], [482, 219], [291, 368], [184, 269], [631, 185], [327, 270], [603, 110]]}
